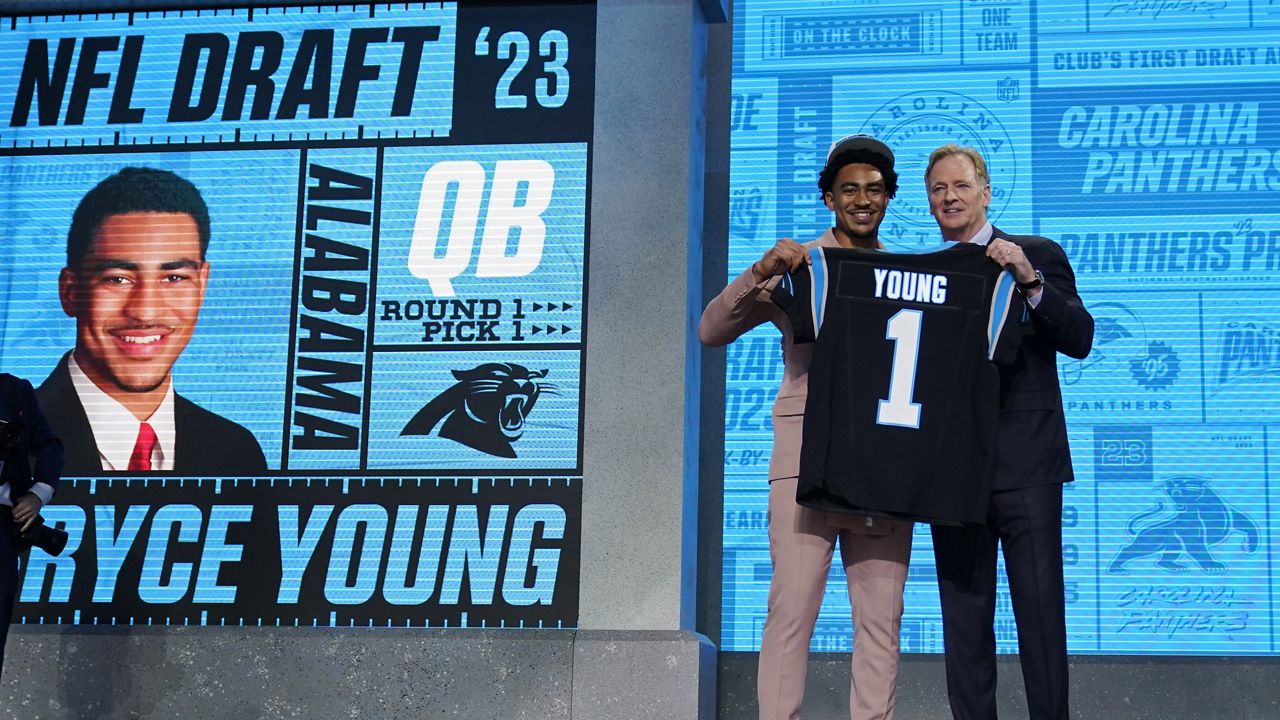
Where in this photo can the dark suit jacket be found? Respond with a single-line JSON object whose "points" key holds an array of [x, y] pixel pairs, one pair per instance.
{"points": [[41, 440], [1032, 445], [206, 444]]}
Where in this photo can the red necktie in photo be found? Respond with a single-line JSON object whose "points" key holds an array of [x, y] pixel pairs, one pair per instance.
{"points": [[141, 457]]}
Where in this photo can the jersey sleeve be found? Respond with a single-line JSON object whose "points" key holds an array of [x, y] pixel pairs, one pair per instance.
{"points": [[1004, 323], [795, 295]]}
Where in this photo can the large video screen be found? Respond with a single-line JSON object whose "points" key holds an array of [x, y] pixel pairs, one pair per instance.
{"points": [[1145, 138], [302, 291]]}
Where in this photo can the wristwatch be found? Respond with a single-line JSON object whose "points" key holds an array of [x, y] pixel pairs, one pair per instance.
{"points": [[1032, 284]]}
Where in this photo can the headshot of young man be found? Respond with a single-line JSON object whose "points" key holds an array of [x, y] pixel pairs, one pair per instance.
{"points": [[135, 280]]}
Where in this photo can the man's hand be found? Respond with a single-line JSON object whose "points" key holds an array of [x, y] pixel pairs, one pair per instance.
{"points": [[787, 255], [26, 510], [1010, 257]]}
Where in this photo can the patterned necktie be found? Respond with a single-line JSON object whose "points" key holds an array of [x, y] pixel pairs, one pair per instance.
{"points": [[141, 457]]}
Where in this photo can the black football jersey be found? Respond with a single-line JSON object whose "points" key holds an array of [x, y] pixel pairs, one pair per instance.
{"points": [[903, 392]]}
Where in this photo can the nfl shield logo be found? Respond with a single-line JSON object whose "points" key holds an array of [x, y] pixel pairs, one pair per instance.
{"points": [[1007, 89]]}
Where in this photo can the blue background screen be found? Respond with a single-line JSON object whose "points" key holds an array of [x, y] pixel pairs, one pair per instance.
{"points": [[394, 310], [1144, 138]]}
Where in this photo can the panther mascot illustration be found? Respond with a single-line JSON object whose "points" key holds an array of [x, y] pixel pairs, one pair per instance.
{"points": [[486, 409], [1194, 518]]}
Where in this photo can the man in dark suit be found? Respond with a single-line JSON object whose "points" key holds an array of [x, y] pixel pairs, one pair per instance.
{"points": [[1033, 461], [27, 434], [134, 281]]}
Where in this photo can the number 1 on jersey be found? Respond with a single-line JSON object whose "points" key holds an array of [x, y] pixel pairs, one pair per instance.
{"points": [[904, 330]]}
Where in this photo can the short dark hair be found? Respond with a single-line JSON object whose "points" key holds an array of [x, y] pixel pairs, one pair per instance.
{"points": [[859, 156], [134, 189]]}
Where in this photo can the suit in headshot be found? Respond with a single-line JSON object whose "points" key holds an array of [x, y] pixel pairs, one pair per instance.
{"points": [[134, 281]]}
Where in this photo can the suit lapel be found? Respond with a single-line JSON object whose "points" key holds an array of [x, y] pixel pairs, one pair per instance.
{"points": [[61, 404], [182, 434]]}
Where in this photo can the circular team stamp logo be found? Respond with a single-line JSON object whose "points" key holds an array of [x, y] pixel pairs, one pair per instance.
{"points": [[915, 124]]}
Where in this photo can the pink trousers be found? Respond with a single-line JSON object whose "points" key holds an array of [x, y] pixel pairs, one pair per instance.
{"points": [[801, 543]]}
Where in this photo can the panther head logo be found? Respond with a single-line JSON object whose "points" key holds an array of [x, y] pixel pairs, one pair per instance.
{"points": [[486, 409]]}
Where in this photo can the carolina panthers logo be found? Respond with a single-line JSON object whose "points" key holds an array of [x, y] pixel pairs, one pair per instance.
{"points": [[1249, 352], [1118, 337], [1194, 519], [1158, 369], [487, 408]]}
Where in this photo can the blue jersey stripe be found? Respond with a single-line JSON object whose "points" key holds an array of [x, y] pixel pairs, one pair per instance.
{"points": [[999, 310], [818, 289]]}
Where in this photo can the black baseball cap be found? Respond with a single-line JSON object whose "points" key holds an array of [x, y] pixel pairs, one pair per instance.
{"points": [[859, 142]]}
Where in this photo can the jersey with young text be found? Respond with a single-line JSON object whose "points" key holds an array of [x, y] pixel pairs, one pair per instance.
{"points": [[903, 392]]}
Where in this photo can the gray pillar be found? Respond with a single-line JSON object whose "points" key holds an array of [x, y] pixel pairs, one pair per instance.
{"points": [[641, 657], [644, 288]]}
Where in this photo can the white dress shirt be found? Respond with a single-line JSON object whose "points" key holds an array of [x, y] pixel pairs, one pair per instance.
{"points": [[115, 429]]}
